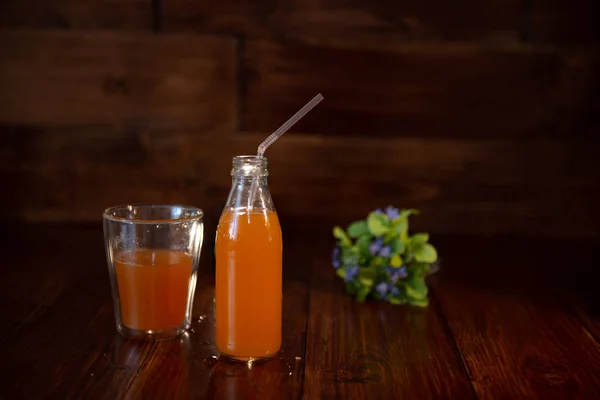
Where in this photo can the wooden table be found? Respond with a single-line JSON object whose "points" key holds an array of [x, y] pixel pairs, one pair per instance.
{"points": [[508, 319]]}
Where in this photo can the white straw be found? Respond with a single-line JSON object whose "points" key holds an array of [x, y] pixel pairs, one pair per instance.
{"points": [[276, 135], [288, 124]]}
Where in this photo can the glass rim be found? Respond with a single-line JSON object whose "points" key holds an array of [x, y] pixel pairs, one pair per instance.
{"points": [[107, 216]]}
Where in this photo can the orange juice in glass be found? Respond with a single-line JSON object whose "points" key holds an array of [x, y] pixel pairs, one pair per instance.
{"points": [[249, 267], [152, 253]]}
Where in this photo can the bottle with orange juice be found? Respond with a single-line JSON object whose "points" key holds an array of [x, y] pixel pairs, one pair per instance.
{"points": [[249, 266]]}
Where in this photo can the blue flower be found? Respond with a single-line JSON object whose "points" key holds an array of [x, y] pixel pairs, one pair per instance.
{"points": [[392, 213], [399, 273], [382, 289], [335, 258], [385, 251], [379, 211], [351, 273], [394, 291], [376, 246]]}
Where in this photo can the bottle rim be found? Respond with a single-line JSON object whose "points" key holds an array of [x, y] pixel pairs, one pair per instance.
{"points": [[249, 165]]}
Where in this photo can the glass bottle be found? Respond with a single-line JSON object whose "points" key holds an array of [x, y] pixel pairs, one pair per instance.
{"points": [[249, 266]]}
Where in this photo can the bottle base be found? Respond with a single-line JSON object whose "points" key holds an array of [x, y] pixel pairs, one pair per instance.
{"points": [[247, 359]]}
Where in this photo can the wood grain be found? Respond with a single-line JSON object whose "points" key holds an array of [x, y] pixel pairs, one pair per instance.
{"points": [[433, 90], [192, 367], [69, 344], [477, 186], [50, 280], [517, 337], [75, 14], [352, 20], [512, 330], [583, 300], [16, 313], [187, 362], [364, 350], [56, 78]]}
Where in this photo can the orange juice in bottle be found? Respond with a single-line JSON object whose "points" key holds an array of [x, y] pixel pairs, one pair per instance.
{"points": [[249, 266]]}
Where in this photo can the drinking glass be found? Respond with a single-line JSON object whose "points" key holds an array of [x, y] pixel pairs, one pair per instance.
{"points": [[152, 251]]}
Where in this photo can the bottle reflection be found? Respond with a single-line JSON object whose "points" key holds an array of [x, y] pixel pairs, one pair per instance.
{"points": [[248, 380]]}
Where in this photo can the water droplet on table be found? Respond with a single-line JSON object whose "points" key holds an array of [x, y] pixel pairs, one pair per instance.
{"points": [[211, 361]]}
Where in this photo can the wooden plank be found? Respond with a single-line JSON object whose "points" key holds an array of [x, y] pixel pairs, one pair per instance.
{"points": [[516, 337], [34, 281], [365, 350], [584, 298], [73, 347], [82, 353], [58, 78], [352, 20], [586, 308], [191, 365], [442, 90], [83, 170], [50, 278], [561, 22], [477, 186], [76, 14], [15, 314]]}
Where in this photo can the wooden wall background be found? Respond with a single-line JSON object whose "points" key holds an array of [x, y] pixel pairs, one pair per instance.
{"points": [[483, 114]]}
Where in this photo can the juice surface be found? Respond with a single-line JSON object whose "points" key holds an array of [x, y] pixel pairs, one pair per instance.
{"points": [[153, 288], [248, 284]]}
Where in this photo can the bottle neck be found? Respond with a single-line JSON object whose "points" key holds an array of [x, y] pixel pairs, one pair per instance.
{"points": [[248, 180], [249, 166], [249, 189]]}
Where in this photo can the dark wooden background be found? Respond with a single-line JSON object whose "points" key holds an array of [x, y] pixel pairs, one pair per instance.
{"points": [[483, 114]]}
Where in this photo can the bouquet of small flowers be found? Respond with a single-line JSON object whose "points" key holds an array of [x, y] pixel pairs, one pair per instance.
{"points": [[377, 258]]}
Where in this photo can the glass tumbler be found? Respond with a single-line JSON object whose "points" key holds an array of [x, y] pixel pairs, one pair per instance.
{"points": [[152, 253]]}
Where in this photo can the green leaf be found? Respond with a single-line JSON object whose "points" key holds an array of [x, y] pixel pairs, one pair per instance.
{"points": [[341, 272], [341, 236], [404, 237], [416, 288], [389, 236], [366, 276], [377, 261], [363, 244], [425, 253], [378, 223], [400, 226], [398, 300], [349, 255], [357, 229], [407, 212], [419, 239], [419, 303], [363, 293], [396, 261], [397, 246], [419, 269], [352, 287]]}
